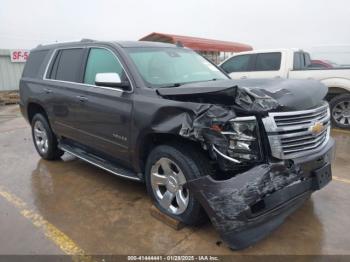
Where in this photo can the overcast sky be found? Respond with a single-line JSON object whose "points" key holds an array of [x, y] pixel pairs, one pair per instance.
{"points": [[260, 23]]}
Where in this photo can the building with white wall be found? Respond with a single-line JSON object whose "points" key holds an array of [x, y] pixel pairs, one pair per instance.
{"points": [[11, 67]]}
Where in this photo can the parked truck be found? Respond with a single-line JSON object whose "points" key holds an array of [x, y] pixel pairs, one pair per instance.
{"points": [[296, 64], [244, 153]]}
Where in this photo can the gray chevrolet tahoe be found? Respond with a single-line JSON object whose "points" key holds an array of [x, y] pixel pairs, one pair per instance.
{"points": [[244, 153]]}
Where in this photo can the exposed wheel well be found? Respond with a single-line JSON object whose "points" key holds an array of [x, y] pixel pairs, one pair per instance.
{"points": [[153, 140], [334, 91], [34, 108]]}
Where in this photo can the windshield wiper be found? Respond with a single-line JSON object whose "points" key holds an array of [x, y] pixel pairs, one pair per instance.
{"points": [[180, 84], [172, 85]]}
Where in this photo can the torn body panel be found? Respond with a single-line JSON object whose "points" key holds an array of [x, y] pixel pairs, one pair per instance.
{"points": [[252, 95], [247, 207], [214, 122], [189, 120], [202, 112], [250, 193]]}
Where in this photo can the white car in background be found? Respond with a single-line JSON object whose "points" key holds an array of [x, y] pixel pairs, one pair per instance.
{"points": [[297, 64]]}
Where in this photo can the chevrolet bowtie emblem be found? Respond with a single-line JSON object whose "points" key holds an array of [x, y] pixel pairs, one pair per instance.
{"points": [[317, 128]]}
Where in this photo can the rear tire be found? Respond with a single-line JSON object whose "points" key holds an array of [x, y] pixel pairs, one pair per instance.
{"points": [[44, 139], [182, 163], [340, 110]]}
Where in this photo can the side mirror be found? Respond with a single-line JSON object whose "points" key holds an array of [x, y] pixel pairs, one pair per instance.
{"points": [[111, 80]]}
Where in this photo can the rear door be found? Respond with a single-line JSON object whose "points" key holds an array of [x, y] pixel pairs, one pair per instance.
{"points": [[267, 65], [64, 78], [239, 66]]}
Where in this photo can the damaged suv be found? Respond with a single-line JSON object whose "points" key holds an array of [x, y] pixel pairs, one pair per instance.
{"points": [[244, 153]]}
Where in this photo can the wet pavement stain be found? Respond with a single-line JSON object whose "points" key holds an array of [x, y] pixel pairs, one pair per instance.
{"points": [[105, 214], [51, 232]]}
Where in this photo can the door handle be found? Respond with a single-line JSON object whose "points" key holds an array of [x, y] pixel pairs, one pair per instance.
{"points": [[47, 91], [243, 77], [82, 98]]}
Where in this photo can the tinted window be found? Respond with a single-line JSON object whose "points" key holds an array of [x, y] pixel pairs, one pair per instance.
{"points": [[34, 63], [307, 59], [302, 60], [237, 64], [268, 62], [67, 65], [101, 61], [297, 61]]}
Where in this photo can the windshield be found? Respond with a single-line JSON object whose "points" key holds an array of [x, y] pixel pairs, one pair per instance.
{"points": [[166, 67]]}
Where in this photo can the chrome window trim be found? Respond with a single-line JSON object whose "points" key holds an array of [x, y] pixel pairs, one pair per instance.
{"points": [[44, 77]]}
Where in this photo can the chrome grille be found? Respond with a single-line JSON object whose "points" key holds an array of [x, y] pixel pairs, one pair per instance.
{"points": [[293, 134]]}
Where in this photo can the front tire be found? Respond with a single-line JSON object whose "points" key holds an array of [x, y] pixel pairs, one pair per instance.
{"points": [[340, 110], [168, 168], [44, 139]]}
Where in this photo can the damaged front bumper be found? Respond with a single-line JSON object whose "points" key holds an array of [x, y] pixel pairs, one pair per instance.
{"points": [[247, 207]]}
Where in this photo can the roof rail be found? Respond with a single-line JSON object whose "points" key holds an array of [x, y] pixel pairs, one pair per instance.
{"points": [[86, 40]]}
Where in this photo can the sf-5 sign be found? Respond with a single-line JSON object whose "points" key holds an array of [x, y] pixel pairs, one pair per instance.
{"points": [[20, 56]]}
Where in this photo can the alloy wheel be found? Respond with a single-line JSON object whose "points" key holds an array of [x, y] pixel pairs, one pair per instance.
{"points": [[167, 182], [341, 113], [40, 137]]}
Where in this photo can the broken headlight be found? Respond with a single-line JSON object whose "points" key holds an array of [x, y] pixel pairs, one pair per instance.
{"points": [[243, 137]]}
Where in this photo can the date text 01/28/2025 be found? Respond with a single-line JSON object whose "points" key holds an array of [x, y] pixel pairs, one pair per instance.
{"points": [[173, 258]]}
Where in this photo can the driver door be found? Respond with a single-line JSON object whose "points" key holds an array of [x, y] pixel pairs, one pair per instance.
{"points": [[105, 112]]}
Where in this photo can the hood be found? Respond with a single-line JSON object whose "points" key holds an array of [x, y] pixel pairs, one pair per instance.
{"points": [[212, 92], [253, 95]]}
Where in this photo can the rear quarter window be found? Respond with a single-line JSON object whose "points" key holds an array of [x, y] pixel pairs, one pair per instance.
{"points": [[34, 63], [268, 62], [297, 63], [67, 65]]}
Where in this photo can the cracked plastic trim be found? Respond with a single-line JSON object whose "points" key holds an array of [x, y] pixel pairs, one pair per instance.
{"points": [[233, 205], [225, 156]]}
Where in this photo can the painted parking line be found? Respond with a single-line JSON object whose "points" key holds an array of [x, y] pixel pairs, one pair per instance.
{"points": [[340, 179], [12, 129], [66, 244]]}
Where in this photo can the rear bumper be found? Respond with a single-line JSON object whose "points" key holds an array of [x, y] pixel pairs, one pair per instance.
{"points": [[247, 207]]}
